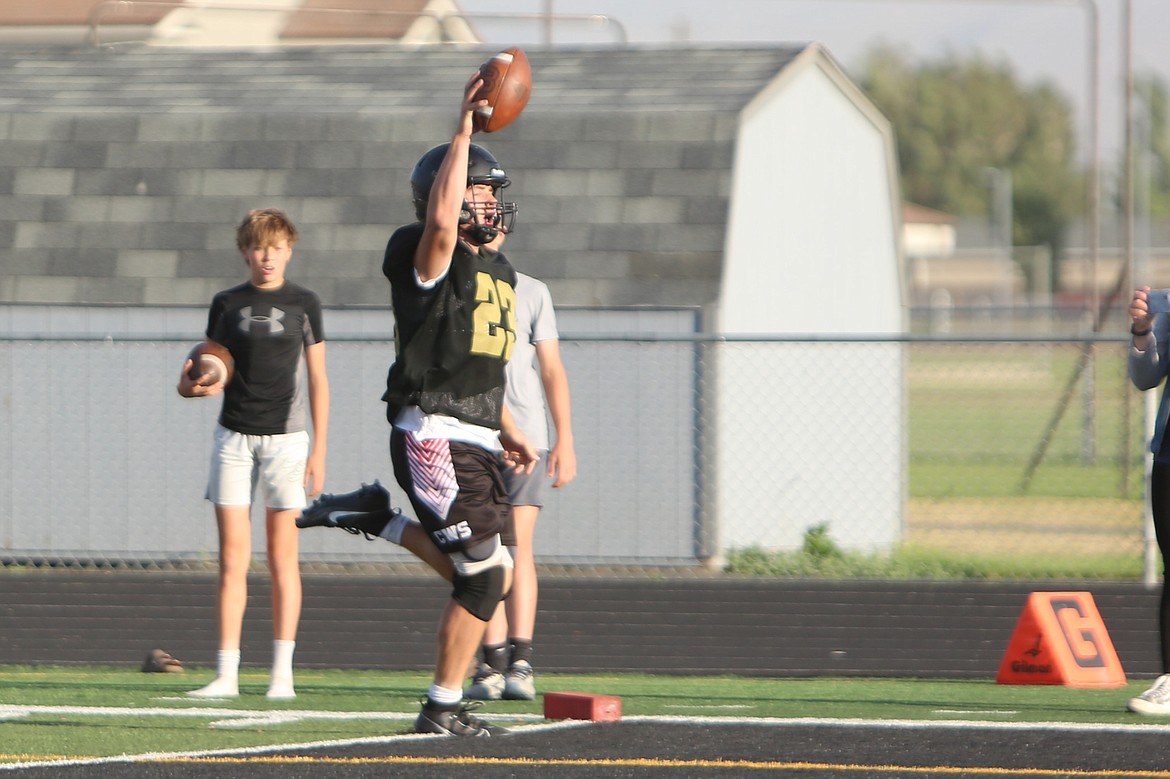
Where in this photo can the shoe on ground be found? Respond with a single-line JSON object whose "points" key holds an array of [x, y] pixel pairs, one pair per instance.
{"points": [[486, 685], [281, 691], [520, 682], [1154, 701], [366, 511], [457, 721], [219, 688]]}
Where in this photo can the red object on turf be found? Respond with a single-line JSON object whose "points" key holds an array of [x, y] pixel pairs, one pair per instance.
{"points": [[580, 705], [507, 82]]}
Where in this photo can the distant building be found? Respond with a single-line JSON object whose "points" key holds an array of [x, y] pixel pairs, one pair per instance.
{"points": [[944, 274], [927, 232], [233, 23]]}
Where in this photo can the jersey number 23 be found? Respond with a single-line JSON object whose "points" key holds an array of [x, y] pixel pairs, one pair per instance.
{"points": [[494, 324]]}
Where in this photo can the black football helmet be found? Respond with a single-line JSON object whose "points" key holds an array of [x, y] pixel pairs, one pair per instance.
{"points": [[481, 222]]}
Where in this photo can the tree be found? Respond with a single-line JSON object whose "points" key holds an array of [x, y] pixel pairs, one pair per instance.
{"points": [[956, 117], [1153, 153]]}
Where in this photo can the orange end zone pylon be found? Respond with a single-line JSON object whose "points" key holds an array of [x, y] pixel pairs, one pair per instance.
{"points": [[1060, 639]]}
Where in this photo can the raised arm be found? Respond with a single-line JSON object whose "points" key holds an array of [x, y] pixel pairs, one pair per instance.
{"points": [[441, 232]]}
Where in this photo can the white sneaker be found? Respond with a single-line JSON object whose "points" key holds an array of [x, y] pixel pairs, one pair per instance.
{"points": [[520, 682], [280, 692], [486, 685], [1154, 701], [219, 688]]}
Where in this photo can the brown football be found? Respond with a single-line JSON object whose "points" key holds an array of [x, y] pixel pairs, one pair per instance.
{"points": [[507, 82], [213, 359]]}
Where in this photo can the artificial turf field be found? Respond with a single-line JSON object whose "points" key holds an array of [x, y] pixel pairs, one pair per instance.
{"points": [[75, 721]]}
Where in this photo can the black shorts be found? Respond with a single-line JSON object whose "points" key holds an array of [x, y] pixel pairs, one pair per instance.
{"points": [[455, 489]]}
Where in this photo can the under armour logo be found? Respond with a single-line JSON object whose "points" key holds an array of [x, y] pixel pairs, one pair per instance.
{"points": [[272, 322]]}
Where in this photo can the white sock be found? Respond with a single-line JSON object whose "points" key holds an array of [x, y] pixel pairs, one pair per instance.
{"points": [[444, 696], [227, 665], [226, 683], [282, 655], [280, 684], [396, 527]]}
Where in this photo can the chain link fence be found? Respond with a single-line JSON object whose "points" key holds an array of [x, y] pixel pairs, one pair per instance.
{"points": [[917, 456]]}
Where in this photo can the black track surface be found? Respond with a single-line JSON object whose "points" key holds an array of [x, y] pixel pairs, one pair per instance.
{"points": [[586, 624], [654, 749], [595, 624]]}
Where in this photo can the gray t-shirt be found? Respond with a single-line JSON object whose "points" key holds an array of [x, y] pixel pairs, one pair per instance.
{"points": [[535, 321]]}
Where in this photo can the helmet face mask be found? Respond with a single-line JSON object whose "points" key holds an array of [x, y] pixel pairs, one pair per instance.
{"points": [[480, 222]]}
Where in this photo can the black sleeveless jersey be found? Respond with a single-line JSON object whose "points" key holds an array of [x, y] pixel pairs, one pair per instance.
{"points": [[267, 332], [453, 340]]}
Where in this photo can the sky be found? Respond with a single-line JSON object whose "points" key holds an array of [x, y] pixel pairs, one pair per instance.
{"points": [[1042, 40]]}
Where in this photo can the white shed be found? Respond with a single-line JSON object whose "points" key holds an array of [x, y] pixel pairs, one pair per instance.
{"points": [[813, 251]]}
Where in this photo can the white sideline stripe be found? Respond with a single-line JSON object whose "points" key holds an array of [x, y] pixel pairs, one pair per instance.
{"points": [[901, 724], [282, 715], [269, 748]]}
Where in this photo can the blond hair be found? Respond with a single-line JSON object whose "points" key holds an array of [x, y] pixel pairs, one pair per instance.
{"points": [[265, 226]]}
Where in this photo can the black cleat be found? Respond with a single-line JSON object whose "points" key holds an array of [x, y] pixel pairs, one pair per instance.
{"points": [[366, 510], [369, 497], [457, 721]]}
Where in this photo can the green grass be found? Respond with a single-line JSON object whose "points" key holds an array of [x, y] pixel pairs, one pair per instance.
{"points": [[981, 416], [971, 539], [910, 562], [967, 478], [1005, 481], [73, 733]]}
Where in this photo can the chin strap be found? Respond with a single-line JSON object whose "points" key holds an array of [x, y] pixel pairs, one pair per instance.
{"points": [[474, 231], [481, 234]]}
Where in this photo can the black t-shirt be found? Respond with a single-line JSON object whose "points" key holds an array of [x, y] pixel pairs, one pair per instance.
{"points": [[267, 332], [453, 339]]}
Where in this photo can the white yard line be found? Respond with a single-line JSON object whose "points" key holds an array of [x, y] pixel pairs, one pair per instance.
{"points": [[252, 717], [244, 751]]}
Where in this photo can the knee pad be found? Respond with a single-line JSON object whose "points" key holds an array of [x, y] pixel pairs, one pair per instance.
{"points": [[480, 592]]}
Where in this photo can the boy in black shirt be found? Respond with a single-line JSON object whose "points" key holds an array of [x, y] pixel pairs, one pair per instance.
{"points": [[273, 328]]}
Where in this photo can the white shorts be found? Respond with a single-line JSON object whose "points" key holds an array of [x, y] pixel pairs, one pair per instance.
{"points": [[239, 462]]}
